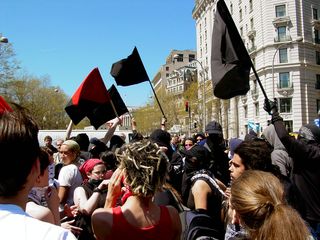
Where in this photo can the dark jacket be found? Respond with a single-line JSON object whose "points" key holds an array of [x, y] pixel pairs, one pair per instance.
{"points": [[306, 171]]}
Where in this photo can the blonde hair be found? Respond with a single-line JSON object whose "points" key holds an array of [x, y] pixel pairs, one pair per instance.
{"points": [[145, 166], [258, 198], [73, 146]]}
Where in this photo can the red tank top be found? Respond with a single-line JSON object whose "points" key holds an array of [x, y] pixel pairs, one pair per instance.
{"points": [[121, 229]]}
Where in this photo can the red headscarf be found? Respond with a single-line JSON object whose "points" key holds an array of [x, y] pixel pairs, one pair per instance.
{"points": [[88, 166]]}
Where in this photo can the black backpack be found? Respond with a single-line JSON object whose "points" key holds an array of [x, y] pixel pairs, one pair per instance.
{"points": [[198, 225]]}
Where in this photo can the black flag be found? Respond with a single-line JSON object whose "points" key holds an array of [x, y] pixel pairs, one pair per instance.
{"points": [[106, 112], [230, 61], [130, 70]]}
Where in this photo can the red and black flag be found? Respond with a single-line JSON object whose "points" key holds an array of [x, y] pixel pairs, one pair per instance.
{"points": [[88, 99], [130, 70], [230, 61], [4, 106], [106, 112]]}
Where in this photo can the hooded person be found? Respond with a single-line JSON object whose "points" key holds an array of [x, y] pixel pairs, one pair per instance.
{"points": [[200, 190], [310, 134], [96, 147], [116, 142], [305, 153], [279, 155], [251, 135], [219, 161]]}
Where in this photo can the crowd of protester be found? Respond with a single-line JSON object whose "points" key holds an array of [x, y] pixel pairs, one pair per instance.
{"points": [[263, 186]]}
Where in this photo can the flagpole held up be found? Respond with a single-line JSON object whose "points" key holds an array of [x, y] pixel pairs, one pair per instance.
{"points": [[155, 95]]}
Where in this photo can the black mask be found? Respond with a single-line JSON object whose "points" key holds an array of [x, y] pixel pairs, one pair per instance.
{"points": [[95, 182]]}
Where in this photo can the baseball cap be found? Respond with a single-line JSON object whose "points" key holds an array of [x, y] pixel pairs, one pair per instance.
{"points": [[213, 128]]}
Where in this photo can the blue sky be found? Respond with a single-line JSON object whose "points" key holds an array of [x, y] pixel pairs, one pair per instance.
{"points": [[66, 39]]}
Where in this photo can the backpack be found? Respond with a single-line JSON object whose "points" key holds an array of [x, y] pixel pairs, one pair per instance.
{"points": [[198, 225]]}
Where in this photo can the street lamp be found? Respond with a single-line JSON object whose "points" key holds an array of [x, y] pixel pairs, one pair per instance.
{"points": [[3, 40], [205, 76], [299, 39]]}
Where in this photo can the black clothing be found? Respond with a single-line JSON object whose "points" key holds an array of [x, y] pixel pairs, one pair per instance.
{"points": [[219, 161], [306, 171], [84, 221]]}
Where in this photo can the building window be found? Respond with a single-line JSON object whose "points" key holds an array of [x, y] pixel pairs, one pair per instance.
{"points": [[240, 14], [318, 81], [318, 105], [167, 74], [318, 57], [191, 57], [288, 125], [205, 35], [285, 105], [167, 68], [250, 5], [231, 9], [316, 36], [251, 24], [245, 110], [241, 31], [315, 13], [283, 55], [280, 10], [282, 33], [256, 106], [284, 80]]}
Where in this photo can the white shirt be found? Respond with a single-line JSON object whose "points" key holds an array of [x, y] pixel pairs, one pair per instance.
{"points": [[70, 176], [15, 224]]}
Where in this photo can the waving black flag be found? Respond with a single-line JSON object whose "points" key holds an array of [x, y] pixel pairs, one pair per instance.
{"points": [[230, 61], [130, 70]]}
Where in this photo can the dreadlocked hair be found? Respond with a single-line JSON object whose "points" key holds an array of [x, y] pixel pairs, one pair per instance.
{"points": [[145, 166]]}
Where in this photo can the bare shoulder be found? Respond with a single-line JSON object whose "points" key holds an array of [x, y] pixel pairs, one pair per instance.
{"points": [[102, 222], [40, 212], [175, 219], [200, 186]]}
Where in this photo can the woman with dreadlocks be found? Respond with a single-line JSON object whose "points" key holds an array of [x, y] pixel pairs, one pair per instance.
{"points": [[142, 170]]}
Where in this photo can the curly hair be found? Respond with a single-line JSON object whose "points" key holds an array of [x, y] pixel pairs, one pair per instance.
{"points": [[145, 166], [255, 155]]}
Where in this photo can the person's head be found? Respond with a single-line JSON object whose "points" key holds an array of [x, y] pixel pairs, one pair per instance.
{"points": [[83, 140], [69, 152], [309, 133], [145, 167], [258, 200], [250, 155], [197, 158], [59, 143], [214, 133], [19, 149], [116, 142], [174, 139], [188, 143], [110, 160], [47, 141], [199, 137], [44, 159], [93, 169], [96, 147], [162, 138]]}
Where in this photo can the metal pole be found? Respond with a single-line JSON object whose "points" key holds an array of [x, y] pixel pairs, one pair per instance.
{"points": [[204, 71]]}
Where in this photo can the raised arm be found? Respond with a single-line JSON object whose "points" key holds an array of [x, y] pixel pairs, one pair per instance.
{"points": [[111, 130]]}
